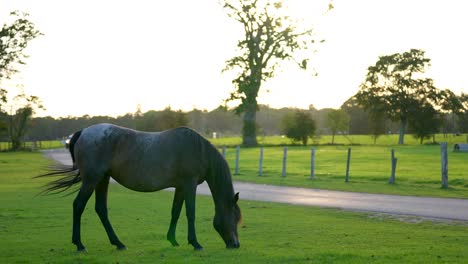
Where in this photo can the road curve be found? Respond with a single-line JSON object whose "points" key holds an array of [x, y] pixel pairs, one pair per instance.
{"points": [[443, 208]]}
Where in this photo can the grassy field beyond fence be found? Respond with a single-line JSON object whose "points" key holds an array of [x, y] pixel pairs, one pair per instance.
{"points": [[384, 140], [418, 170]]}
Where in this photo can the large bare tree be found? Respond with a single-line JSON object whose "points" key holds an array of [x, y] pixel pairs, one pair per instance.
{"points": [[270, 36]]}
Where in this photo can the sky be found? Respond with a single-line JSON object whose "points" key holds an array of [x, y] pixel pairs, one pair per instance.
{"points": [[107, 57]]}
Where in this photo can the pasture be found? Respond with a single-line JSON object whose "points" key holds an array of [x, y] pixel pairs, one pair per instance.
{"points": [[418, 170], [38, 229]]}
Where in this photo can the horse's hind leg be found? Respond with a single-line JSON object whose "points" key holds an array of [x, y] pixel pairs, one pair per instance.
{"points": [[176, 208], [189, 195], [101, 210], [79, 205]]}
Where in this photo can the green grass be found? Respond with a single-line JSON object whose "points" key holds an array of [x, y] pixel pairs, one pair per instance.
{"points": [[385, 140], [44, 144], [418, 169], [38, 230]]}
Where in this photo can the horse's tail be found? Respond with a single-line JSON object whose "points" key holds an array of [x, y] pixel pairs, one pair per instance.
{"points": [[71, 147], [70, 174]]}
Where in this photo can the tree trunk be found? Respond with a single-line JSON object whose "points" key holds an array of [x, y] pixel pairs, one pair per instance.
{"points": [[249, 130], [401, 139]]}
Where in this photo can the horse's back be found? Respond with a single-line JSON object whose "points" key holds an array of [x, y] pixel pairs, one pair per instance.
{"points": [[143, 161]]}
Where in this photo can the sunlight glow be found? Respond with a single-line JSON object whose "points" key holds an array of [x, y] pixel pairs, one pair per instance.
{"points": [[106, 57]]}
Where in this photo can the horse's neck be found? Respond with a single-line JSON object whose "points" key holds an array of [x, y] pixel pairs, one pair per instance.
{"points": [[221, 190]]}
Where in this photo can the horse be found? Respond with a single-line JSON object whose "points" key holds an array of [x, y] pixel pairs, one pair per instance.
{"points": [[147, 162]]}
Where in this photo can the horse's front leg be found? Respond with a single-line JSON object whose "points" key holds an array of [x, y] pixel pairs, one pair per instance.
{"points": [[190, 194], [175, 213], [79, 205]]}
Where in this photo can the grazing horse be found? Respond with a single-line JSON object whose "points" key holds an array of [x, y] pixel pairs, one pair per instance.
{"points": [[148, 162]]}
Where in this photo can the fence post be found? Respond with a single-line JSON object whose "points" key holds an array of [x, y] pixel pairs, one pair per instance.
{"points": [[393, 164], [444, 164], [285, 157], [312, 164], [260, 163], [224, 151], [237, 160], [347, 165]]}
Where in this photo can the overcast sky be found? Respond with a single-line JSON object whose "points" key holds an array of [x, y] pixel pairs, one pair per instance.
{"points": [[106, 57]]}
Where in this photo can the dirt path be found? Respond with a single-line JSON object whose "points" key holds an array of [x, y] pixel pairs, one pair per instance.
{"points": [[440, 208]]}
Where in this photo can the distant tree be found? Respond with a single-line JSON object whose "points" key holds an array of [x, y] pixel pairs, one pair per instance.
{"points": [[358, 117], [18, 122], [197, 120], [377, 125], [298, 126], [337, 121], [425, 122], [161, 120], [14, 38], [452, 106], [392, 87], [270, 37], [223, 122]]}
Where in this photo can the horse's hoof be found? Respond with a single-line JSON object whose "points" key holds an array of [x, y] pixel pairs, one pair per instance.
{"points": [[82, 250], [121, 248], [197, 247], [174, 243]]}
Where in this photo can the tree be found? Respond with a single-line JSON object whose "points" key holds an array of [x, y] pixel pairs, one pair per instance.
{"points": [[337, 121], [14, 38], [358, 118], [270, 37], [392, 87], [298, 126], [425, 122], [452, 105], [161, 120], [377, 125]]}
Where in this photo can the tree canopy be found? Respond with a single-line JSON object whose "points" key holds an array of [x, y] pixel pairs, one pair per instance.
{"points": [[394, 86], [298, 126], [337, 121]]}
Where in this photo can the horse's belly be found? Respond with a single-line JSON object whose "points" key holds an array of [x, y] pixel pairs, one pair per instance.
{"points": [[143, 183]]}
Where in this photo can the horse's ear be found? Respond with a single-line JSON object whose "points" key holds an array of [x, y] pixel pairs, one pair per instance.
{"points": [[236, 197]]}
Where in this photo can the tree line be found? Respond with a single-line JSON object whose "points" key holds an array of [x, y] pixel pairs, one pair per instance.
{"points": [[224, 122], [292, 122], [297, 124]]}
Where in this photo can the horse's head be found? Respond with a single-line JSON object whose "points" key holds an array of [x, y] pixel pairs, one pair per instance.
{"points": [[226, 221]]}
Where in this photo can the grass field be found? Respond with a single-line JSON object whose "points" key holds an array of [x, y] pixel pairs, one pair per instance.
{"points": [[38, 230], [384, 140], [45, 144], [418, 170]]}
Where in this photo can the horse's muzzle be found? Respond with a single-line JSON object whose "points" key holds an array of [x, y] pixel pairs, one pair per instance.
{"points": [[233, 245]]}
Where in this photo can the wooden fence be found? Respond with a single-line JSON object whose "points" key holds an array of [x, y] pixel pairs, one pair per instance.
{"points": [[393, 163]]}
